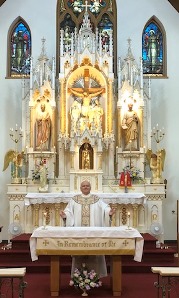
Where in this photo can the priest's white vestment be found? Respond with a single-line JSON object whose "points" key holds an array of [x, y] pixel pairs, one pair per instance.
{"points": [[88, 210]]}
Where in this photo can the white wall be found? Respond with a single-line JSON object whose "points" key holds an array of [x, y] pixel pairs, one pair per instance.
{"points": [[132, 16]]}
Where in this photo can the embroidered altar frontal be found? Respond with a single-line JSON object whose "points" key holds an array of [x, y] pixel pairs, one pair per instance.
{"points": [[122, 240], [85, 246]]}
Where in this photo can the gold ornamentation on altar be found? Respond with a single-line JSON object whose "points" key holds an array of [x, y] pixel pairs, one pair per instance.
{"points": [[86, 157]]}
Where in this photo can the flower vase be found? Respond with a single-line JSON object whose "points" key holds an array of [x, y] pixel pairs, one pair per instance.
{"points": [[84, 293]]}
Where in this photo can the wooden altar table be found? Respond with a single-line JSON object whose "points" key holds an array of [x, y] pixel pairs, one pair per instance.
{"points": [[59, 241]]}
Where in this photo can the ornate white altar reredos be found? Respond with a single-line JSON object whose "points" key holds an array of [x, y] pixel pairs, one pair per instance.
{"points": [[87, 125]]}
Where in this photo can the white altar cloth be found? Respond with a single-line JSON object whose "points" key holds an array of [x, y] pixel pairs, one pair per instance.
{"points": [[87, 232], [109, 198]]}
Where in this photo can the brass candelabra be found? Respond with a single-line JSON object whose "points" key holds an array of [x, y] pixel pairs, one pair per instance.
{"points": [[157, 134]]}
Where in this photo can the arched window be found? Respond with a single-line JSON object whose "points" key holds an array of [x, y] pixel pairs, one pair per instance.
{"points": [[19, 45], [154, 49], [102, 15]]}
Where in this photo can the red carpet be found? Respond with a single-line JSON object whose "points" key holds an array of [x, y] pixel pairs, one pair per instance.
{"points": [[137, 278], [133, 286]]}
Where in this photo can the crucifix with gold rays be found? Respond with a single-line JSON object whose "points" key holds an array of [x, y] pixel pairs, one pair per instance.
{"points": [[86, 92]]}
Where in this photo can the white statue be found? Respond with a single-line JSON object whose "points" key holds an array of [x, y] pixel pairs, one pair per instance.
{"points": [[43, 178]]}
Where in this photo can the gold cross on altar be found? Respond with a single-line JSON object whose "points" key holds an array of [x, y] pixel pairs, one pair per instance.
{"points": [[45, 242], [125, 242]]}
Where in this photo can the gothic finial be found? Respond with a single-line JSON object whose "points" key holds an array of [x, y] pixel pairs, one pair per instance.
{"points": [[43, 45], [86, 5], [129, 42]]}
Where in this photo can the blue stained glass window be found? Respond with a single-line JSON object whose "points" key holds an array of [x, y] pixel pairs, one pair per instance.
{"points": [[20, 51], [152, 50]]}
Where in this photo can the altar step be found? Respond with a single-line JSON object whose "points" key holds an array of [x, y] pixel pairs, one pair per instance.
{"points": [[19, 256]]}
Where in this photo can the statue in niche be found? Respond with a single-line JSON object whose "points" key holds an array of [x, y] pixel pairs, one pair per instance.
{"points": [[130, 126], [43, 128], [86, 156]]}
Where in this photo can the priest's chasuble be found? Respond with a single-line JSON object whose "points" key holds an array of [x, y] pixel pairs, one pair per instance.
{"points": [[89, 211]]}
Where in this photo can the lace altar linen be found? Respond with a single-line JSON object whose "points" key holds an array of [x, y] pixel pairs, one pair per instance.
{"points": [[109, 198]]}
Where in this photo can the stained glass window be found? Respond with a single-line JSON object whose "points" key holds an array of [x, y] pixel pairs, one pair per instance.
{"points": [[102, 14], [105, 26], [68, 26], [96, 6], [20, 51], [76, 6], [152, 50]]}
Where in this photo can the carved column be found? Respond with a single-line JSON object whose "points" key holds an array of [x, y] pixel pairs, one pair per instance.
{"points": [[62, 107], [36, 215], [135, 215]]}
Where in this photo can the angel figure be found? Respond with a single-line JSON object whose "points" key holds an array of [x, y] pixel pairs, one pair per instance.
{"points": [[156, 163], [16, 159]]}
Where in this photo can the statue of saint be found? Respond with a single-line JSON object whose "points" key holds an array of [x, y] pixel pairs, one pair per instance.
{"points": [[43, 177], [130, 125], [95, 114], [75, 112], [43, 128]]}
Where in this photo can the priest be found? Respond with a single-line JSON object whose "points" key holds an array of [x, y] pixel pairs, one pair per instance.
{"points": [[87, 210]]}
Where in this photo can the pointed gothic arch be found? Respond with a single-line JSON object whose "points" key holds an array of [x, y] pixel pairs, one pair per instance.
{"points": [[19, 49], [70, 15], [154, 49]]}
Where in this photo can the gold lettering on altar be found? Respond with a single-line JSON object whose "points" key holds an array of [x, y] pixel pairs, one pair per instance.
{"points": [[111, 244]]}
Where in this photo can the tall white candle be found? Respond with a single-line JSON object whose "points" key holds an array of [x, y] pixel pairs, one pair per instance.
{"points": [[128, 215]]}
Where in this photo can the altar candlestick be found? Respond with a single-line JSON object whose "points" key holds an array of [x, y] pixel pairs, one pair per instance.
{"points": [[130, 152], [128, 216], [54, 151], [44, 219]]}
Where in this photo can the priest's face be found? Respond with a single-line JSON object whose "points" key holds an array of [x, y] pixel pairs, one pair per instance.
{"points": [[85, 187]]}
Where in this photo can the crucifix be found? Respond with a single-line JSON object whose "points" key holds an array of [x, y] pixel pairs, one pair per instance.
{"points": [[87, 92], [92, 92]]}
